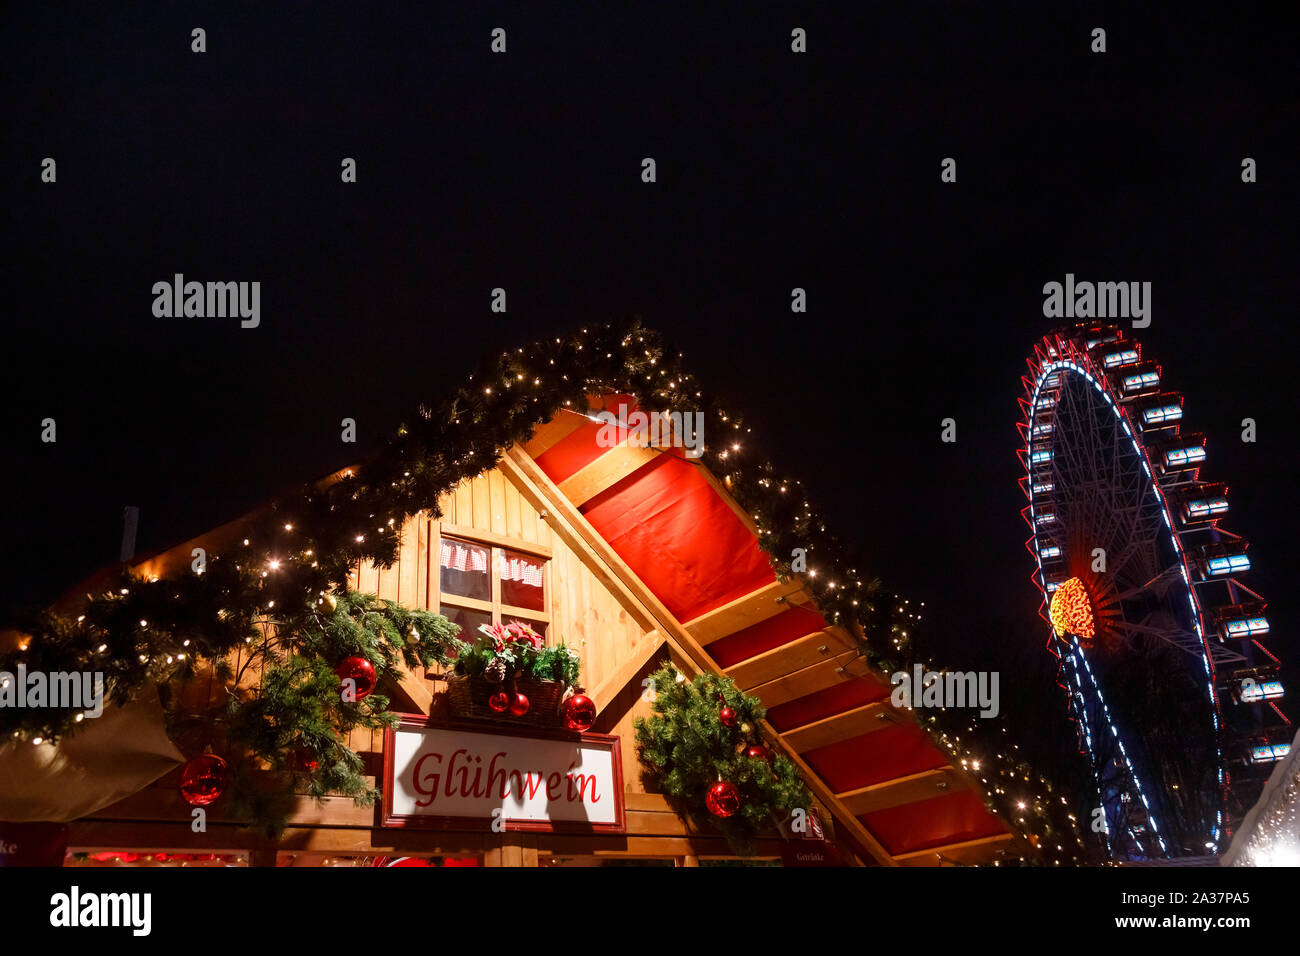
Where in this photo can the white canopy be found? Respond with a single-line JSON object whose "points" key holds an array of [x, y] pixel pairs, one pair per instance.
{"points": [[1270, 834]]}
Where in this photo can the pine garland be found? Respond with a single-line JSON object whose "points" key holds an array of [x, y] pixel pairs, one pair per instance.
{"points": [[686, 749], [304, 546]]}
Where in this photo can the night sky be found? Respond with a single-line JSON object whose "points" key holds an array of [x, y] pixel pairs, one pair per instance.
{"points": [[523, 171]]}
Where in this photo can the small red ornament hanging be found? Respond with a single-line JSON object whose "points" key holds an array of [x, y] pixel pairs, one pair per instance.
{"points": [[728, 717], [579, 713], [499, 702], [723, 799], [360, 671], [518, 705], [203, 780], [305, 760], [759, 752]]}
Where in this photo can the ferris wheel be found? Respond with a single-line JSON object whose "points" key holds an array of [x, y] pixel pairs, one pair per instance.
{"points": [[1161, 646]]}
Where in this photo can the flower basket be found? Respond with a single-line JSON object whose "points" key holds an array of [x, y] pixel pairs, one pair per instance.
{"points": [[469, 699], [512, 658]]}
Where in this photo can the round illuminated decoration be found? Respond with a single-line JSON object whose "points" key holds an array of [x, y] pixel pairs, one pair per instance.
{"points": [[1071, 612]]}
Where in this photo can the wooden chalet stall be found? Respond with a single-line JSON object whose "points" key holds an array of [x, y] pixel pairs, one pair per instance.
{"points": [[642, 556]]}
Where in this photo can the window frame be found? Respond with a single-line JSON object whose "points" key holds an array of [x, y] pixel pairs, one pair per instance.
{"points": [[496, 546]]}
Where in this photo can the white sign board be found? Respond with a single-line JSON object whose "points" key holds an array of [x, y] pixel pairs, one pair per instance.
{"points": [[468, 776]]}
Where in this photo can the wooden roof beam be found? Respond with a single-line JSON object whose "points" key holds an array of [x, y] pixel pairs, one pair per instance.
{"points": [[613, 684], [788, 658], [413, 692], [909, 789], [547, 436], [535, 484], [747, 610], [966, 851], [605, 472], [809, 680], [857, 722]]}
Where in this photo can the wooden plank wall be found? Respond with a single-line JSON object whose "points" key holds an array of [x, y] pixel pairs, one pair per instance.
{"points": [[584, 614]]}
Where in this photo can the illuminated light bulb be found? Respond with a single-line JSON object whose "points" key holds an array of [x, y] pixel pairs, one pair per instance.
{"points": [[245, 541], [143, 622], [37, 741], [288, 527], [103, 648], [79, 718], [275, 565]]}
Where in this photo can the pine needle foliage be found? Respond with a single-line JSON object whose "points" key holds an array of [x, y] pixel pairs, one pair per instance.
{"points": [[686, 749]]}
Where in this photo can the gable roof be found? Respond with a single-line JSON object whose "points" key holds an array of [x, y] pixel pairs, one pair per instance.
{"points": [[673, 530], [704, 563]]}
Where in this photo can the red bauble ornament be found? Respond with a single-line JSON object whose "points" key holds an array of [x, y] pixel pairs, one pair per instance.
{"points": [[305, 760], [499, 702], [203, 780], [361, 671], [723, 799], [518, 705], [579, 713], [727, 716], [759, 752]]}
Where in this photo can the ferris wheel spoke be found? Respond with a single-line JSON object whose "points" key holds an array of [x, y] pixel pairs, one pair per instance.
{"points": [[1183, 640], [1157, 584]]}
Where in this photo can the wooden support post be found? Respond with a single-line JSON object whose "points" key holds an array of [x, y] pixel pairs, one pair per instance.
{"points": [[512, 849]]}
